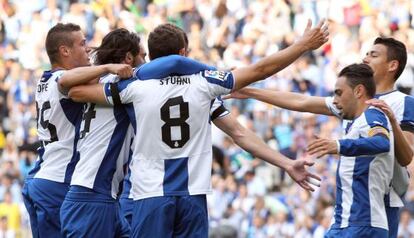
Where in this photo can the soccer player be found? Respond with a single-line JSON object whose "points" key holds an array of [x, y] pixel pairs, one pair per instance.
{"points": [[367, 157], [90, 208], [221, 117], [58, 122], [171, 163], [387, 58]]}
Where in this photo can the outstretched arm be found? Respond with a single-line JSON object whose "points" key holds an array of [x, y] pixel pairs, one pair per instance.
{"points": [[311, 39], [286, 100], [250, 142], [84, 75]]}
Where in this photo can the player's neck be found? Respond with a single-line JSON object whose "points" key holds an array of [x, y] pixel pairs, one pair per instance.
{"points": [[57, 66], [362, 106], [384, 86]]}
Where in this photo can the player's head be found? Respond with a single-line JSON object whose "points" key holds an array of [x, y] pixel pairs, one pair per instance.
{"points": [[66, 46], [354, 86], [166, 39], [387, 58], [120, 46]]}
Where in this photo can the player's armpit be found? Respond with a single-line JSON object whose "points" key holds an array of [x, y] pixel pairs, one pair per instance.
{"points": [[88, 93]]}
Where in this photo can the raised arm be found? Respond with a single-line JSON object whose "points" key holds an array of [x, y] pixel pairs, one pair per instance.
{"points": [[250, 142], [84, 75], [287, 100], [311, 39]]}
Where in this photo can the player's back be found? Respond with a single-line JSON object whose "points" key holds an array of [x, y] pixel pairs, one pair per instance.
{"points": [[58, 121], [104, 146], [171, 118]]}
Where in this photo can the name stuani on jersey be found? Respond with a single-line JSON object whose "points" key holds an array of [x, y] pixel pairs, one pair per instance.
{"points": [[177, 80]]}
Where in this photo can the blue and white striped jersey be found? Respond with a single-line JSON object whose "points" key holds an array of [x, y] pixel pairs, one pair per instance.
{"points": [[58, 123], [403, 107], [364, 171], [217, 111], [105, 141], [172, 151]]}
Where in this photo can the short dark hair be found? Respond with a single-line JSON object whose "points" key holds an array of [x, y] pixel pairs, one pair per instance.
{"points": [[57, 36], [115, 45], [357, 74], [396, 50], [165, 39]]}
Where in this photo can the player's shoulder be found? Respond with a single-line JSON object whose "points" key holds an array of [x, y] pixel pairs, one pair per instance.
{"points": [[374, 115]]}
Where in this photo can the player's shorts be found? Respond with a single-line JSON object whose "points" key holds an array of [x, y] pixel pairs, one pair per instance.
{"points": [[171, 216], [43, 199], [126, 207], [86, 213], [393, 217], [357, 232]]}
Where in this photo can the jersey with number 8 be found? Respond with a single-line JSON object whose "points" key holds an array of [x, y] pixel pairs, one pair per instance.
{"points": [[172, 151], [58, 123]]}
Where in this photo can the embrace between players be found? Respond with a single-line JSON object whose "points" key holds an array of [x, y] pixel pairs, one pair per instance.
{"points": [[114, 124]]}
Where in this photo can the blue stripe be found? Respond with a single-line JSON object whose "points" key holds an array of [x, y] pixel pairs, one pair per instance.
{"points": [[338, 205], [176, 177], [407, 122], [73, 112], [103, 180], [364, 146], [36, 168], [123, 84], [375, 118], [360, 208], [226, 81]]}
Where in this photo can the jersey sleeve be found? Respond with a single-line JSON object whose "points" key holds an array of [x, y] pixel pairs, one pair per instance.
{"points": [[119, 93], [57, 76], [375, 138], [407, 122], [329, 104], [217, 109], [218, 82], [170, 65]]}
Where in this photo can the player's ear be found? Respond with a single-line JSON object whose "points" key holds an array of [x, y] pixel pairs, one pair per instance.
{"points": [[359, 91], [393, 65], [129, 59], [64, 50], [183, 52]]}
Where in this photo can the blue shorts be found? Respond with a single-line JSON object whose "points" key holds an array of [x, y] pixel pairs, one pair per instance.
{"points": [[43, 199], [171, 216], [357, 232], [85, 213], [393, 217], [127, 207]]}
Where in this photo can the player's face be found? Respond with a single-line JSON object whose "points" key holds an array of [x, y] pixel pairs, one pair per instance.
{"points": [[140, 58], [345, 99], [79, 52], [376, 58]]}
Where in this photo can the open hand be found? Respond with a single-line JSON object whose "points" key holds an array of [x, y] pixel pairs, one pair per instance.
{"points": [[383, 106], [299, 173], [313, 38]]}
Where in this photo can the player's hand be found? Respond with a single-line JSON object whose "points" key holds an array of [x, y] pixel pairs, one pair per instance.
{"points": [[383, 106], [239, 94], [122, 70], [321, 146], [313, 38], [299, 173]]}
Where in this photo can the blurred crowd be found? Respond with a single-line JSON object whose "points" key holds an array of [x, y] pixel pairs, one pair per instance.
{"points": [[250, 198]]}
